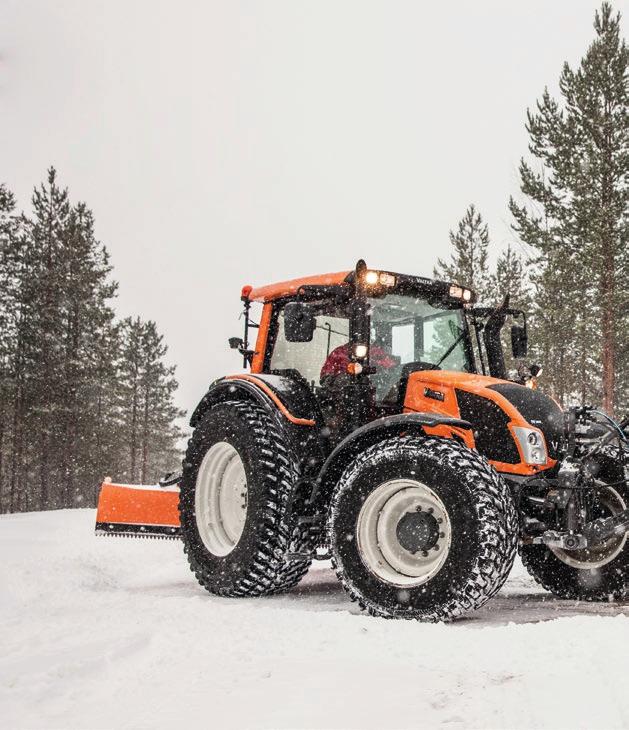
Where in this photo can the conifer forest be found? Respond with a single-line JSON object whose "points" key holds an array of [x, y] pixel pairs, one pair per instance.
{"points": [[83, 395]]}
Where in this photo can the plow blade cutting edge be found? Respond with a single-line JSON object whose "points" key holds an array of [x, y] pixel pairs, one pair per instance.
{"points": [[133, 510]]}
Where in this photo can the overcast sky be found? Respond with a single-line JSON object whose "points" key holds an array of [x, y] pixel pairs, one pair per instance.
{"points": [[225, 143]]}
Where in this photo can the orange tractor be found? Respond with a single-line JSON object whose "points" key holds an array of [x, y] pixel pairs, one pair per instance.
{"points": [[378, 425]]}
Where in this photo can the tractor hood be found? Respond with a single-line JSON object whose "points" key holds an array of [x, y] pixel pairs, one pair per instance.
{"points": [[494, 407]]}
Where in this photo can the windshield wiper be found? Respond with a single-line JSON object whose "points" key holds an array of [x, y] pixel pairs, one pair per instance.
{"points": [[450, 349]]}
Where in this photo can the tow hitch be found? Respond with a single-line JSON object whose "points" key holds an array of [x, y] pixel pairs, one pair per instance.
{"points": [[593, 533]]}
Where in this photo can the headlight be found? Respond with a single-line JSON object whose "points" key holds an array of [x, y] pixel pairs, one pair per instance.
{"points": [[456, 291], [531, 444], [360, 351]]}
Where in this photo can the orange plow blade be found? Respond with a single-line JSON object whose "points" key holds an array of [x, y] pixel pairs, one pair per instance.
{"points": [[134, 510]]}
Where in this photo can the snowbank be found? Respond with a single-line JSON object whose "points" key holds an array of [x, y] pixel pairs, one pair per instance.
{"points": [[104, 633]]}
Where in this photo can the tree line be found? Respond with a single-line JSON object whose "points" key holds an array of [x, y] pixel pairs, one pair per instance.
{"points": [[571, 224], [82, 394]]}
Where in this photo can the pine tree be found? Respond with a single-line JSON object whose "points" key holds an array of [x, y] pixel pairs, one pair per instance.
{"points": [[510, 278], [159, 414], [48, 227], [148, 387], [17, 304], [468, 264], [87, 318], [577, 216], [9, 242], [130, 374]]}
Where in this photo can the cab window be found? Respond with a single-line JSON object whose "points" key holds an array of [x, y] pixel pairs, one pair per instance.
{"points": [[308, 358]]}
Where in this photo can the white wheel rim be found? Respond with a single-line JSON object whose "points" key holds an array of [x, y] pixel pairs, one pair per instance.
{"points": [[220, 499], [599, 555], [377, 533]]}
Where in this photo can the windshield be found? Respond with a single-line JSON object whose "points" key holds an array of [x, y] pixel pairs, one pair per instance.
{"points": [[406, 329]]}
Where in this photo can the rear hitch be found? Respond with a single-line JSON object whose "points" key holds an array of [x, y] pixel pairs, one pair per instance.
{"points": [[593, 533], [563, 540]]}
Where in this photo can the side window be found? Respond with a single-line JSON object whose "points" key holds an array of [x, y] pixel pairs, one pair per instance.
{"points": [[309, 357], [403, 342]]}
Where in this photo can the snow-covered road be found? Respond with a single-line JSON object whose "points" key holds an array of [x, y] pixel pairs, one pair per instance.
{"points": [[106, 633]]}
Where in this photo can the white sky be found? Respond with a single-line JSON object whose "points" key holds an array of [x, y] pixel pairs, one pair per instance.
{"points": [[225, 143]]}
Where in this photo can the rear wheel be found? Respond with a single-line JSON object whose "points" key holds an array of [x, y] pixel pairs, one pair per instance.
{"points": [[421, 528], [236, 524]]}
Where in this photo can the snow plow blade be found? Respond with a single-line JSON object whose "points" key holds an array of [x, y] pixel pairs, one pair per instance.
{"points": [[134, 510]]}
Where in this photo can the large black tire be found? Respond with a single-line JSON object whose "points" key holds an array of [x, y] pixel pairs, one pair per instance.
{"points": [[483, 522], [259, 564], [605, 583]]}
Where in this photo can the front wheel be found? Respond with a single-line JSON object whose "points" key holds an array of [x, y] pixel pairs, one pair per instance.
{"points": [[421, 528]]}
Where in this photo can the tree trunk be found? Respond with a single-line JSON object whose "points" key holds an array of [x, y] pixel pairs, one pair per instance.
{"points": [[608, 330], [607, 276], [145, 437], [3, 411], [134, 425]]}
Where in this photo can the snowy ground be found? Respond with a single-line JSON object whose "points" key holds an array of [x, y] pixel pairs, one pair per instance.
{"points": [[106, 633]]}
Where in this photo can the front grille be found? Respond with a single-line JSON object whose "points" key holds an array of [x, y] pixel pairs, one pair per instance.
{"points": [[490, 424]]}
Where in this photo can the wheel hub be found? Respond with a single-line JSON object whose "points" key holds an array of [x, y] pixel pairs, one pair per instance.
{"points": [[418, 531], [403, 532], [221, 498]]}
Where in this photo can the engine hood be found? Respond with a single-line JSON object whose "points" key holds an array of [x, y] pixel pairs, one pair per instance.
{"points": [[491, 405]]}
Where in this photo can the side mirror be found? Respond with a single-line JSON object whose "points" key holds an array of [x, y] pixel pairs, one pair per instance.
{"points": [[299, 322], [236, 343], [519, 341]]}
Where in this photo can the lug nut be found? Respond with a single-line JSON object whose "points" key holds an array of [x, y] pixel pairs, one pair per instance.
{"points": [[442, 535], [424, 553], [418, 508], [430, 510], [440, 520], [436, 548]]}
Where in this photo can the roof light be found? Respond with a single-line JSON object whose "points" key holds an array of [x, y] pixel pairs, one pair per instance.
{"points": [[456, 291], [374, 278], [460, 292]]}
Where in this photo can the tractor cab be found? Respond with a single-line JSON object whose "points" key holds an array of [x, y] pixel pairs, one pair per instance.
{"points": [[374, 341]]}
